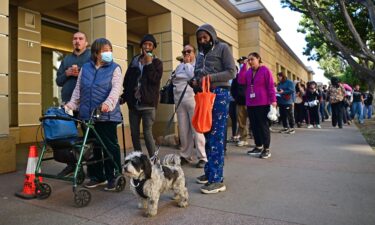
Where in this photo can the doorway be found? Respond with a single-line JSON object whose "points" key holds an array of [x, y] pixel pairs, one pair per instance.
{"points": [[51, 93]]}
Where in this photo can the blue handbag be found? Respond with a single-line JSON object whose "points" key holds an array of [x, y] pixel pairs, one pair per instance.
{"points": [[55, 129]]}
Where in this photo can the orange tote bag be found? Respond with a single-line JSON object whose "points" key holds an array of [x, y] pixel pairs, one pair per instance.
{"points": [[204, 103]]}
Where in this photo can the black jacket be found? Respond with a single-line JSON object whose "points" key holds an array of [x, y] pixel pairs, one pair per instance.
{"points": [[150, 83], [238, 92]]}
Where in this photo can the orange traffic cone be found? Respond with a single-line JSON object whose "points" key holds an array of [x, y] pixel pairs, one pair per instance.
{"points": [[29, 184]]}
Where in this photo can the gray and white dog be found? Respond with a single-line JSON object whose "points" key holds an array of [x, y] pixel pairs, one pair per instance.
{"points": [[148, 180]]}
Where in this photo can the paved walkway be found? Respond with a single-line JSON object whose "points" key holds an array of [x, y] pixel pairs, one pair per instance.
{"points": [[315, 176]]}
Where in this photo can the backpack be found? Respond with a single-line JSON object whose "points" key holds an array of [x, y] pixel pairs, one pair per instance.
{"points": [[336, 94]]}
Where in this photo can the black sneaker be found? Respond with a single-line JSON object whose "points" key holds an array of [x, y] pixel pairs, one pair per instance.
{"points": [[202, 179], [255, 152], [291, 131], [111, 185], [67, 171], [213, 188], [265, 154], [94, 183], [201, 164]]}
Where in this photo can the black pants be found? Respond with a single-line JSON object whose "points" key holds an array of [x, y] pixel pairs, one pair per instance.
{"points": [[108, 133], [299, 113], [337, 113], [287, 117], [259, 125], [313, 115], [233, 116]]}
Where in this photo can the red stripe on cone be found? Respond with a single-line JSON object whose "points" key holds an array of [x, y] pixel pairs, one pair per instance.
{"points": [[28, 191]]}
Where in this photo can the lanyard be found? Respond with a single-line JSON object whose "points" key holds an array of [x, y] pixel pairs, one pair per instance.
{"points": [[253, 76], [254, 73]]}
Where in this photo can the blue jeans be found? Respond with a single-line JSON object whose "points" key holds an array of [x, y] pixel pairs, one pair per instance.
{"points": [[367, 110], [357, 109], [215, 138]]}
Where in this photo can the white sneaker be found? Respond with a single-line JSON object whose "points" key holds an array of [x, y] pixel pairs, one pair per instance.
{"points": [[310, 126], [242, 143], [318, 126]]}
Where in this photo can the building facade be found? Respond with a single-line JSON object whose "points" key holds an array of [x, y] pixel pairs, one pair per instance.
{"points": [[35, 34]]}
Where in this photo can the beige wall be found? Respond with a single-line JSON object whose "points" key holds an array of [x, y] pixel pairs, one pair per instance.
{"points": [[4, 67], [28, 67], [254, 35], [7, 143], [206, 11]]}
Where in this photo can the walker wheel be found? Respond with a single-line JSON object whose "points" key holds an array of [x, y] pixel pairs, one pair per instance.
{"points": [[120, 183], [82, 197], [43, 190], [80, 176]]}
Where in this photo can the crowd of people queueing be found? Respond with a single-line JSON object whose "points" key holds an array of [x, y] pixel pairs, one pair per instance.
{"points": [[90, 79]]}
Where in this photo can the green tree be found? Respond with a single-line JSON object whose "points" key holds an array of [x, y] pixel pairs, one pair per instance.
{"points": [[345, 28]]}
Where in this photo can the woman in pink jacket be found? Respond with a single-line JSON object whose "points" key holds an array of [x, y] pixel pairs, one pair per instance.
{"points": [[260, 94]]}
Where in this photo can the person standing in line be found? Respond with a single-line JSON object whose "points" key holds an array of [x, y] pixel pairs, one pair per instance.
{"points": [[336, 95], [260, 94], [347, 103], [299, 108], [238, 93], [183, 74], [286, 90], [323, 104], [141, 92], [357, 105], [99, 85], [368, 105], [215, 60], [67, 78], [312, 98]]}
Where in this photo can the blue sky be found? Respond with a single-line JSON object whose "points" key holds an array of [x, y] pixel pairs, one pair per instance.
{"points": [[288, 22]]}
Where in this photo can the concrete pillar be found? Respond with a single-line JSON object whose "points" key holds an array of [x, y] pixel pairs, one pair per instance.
{"points": [[168, 31], [29, 79], [7, 143], [248, 36], [105, 19]]}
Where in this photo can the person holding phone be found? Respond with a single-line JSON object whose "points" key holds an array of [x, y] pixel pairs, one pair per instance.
{"points": [[141, 92]]}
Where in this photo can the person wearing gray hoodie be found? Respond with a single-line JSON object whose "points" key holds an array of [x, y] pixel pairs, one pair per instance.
{"points": [[215, 60]]}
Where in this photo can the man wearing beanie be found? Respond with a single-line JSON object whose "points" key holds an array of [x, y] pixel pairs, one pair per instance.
{"points": [[141, 92]]}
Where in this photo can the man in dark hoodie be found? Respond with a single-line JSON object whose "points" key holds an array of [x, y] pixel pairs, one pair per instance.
{"points": [[216, 61], [141, 93]]}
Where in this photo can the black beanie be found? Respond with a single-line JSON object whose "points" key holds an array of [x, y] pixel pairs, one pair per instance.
{"points": [[148, 37]]}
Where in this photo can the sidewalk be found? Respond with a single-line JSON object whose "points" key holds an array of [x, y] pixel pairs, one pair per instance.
{"points": [[315, 176]]}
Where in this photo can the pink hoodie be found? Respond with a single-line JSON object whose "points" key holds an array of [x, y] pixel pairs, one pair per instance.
{"points": [[264, 89]]}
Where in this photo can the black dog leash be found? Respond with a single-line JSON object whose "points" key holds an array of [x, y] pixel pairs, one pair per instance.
{"points": [[155, 158]]}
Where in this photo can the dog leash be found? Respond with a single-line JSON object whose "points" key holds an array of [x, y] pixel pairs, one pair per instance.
{"points": [[155, 157]]}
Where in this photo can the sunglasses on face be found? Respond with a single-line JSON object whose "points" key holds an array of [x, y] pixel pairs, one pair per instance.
{"points": [[186, 52]]}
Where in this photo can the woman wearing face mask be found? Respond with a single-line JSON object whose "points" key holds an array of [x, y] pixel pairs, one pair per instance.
{"points": [[99, 85]]}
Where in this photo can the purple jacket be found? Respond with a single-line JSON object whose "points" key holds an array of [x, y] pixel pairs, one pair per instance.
{"points": [[264, 89]]}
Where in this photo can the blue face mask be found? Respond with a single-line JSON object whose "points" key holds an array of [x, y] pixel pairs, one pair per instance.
{"points": [[106, 57]]}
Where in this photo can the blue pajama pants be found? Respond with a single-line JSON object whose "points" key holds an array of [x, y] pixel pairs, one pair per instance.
{"points": [[215, 138]]}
